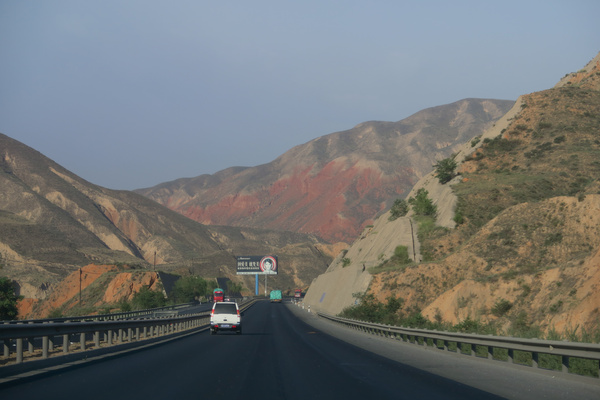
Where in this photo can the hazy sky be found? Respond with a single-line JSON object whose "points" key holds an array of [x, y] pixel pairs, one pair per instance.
{"points": [[129, 94]]}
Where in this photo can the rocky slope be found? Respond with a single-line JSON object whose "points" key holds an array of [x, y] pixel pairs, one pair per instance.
{"points": [[102, 287], [526, 254], [334, 185], [52, 223]]}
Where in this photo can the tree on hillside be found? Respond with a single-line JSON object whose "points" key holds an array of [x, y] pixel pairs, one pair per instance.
{"points": [[422, 204], [399, 209], [146, 298], [234, 287], [444, 170], [8, 300], [189, 288]]}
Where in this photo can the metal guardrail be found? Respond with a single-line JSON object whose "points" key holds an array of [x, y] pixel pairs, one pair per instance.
{"points": [[44, 340], [102, 317], [441, 340]]}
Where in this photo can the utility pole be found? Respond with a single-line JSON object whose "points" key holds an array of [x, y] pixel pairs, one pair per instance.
{"points": [[265, 285], [79, 287]]}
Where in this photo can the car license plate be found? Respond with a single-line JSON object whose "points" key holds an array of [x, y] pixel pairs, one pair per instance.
{"points": [[225, 326]]}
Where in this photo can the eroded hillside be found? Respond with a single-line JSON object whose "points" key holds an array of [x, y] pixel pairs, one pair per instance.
{"points": [[531, 232], [334, 185], [52, 223], [525, 253]]}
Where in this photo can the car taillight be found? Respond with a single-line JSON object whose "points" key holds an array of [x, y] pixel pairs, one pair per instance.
{"points": [[238, 311]]}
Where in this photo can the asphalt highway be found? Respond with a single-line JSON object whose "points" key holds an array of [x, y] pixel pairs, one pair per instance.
{"points": [[286, 353]]}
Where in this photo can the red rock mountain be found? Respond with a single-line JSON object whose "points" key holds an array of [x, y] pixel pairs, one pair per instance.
{"points": [[334, 185]]}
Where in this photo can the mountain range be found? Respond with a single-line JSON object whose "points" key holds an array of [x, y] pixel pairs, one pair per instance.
{"points": [[52, 223], [516, 226], [334, 185]]}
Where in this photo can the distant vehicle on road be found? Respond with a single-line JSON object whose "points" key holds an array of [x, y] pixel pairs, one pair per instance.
{"points": [[275, 296], [218, 295], [298, 293], [225, 316]]}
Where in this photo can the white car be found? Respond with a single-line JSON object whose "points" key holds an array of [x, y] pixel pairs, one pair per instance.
{"points": [[225, 316]]}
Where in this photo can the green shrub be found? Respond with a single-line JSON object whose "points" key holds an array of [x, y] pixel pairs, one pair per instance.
{"points": [[553, 238], [8, 300], [124, 306], [422, 204], [399, 209], [232, 287], [459, 218], [559, 139], [401, 255], [55, 313], [189, 288], [501, 307], [146, 298], [556, 306], [444, 170]]}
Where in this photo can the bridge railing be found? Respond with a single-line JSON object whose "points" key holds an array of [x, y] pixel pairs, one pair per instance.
{"points": [[43, 340], [484, 345]]}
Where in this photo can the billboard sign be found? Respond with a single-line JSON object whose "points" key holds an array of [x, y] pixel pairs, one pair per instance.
{"points": [[257, 265]]}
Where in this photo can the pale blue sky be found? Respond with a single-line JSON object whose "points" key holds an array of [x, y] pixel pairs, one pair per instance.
{"points": [[129, 94]]}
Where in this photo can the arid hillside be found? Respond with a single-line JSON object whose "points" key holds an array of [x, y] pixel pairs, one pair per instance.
{"points": [[332, 186], [103, 287], [52, 222], [516, 238]]}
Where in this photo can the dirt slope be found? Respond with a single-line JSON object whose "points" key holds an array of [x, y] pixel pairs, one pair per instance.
{"points": [[529, 237]]}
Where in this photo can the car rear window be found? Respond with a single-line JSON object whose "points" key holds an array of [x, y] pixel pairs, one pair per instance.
{"points": [[222, 308]]}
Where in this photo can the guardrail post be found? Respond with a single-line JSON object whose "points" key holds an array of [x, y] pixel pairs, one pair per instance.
{"points": [[565, 363], [109, 335], [137, 333], [6, 347], [30, 343], [45, 342], [511, 356], [120, 338], [490, 352], [82, 341], [97, 339], [535, 358], [19, 350], [65, 344]]}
